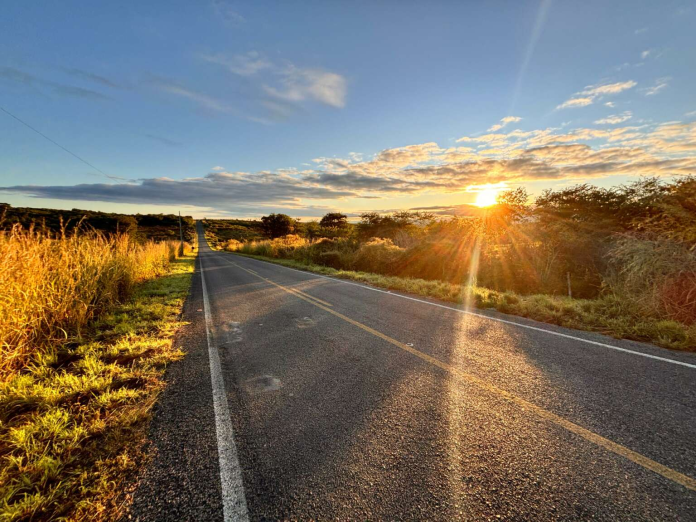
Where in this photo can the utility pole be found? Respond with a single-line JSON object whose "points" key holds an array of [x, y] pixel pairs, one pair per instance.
{"points": [[570, 291], [181, 237]]}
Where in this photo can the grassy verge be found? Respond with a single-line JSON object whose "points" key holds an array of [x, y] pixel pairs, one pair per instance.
{"points": [[73, 423], [607, 315]]}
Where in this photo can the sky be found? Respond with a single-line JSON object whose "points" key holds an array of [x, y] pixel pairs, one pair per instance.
{"points": [[238, 109]]}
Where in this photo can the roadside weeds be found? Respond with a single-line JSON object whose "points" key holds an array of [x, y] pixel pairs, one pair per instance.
{"points": [[73, 427]]}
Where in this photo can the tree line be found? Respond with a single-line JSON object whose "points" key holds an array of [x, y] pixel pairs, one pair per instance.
{"points": [[637, 241]]}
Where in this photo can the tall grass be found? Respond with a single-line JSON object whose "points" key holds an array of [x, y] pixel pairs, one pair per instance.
{"points": [[53, 285], [656, 275], [86, 327], [377, 255]]}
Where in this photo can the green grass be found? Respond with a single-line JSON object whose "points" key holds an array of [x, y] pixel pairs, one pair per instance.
{"points": [[73, 424], [606, 315]]}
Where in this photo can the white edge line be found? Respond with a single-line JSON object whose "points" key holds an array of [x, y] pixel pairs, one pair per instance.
{"points": [[234, 507], [529, 327]]}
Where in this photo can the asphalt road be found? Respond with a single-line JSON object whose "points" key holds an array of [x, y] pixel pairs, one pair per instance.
{"points": [[344, 402]]}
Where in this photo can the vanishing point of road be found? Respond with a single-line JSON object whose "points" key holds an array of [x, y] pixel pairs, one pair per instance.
{"points": [[306, 397]]}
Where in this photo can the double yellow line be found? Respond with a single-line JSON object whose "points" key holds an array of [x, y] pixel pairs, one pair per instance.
{"points": [[588, 435]]}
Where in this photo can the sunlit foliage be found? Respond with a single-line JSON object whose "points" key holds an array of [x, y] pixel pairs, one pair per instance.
{"points": [[86, 327], [636, 243]]}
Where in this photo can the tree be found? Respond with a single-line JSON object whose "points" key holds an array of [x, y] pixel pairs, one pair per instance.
{"points": [[126, 225], [310, 230], [277, 225], [334, 220]]}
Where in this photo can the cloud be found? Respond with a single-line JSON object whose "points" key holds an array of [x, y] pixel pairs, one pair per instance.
{"points": [[86, 75], [575, 102], [29, 80], [610, 104], [225, 11], [284, 86], [612, 88], [220, 190], [615, 118], [247, 64], [165, 141], [201, 99], [504, 122], [515, 157], [660, 84], [645, 54], [594, 92], [297, 84]]}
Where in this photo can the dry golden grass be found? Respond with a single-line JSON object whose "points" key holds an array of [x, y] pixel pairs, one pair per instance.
{"points": [[52, 286], [87, 328]]}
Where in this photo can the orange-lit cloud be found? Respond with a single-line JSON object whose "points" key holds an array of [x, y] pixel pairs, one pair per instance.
{"points": [[516, 157], [595, 92]]}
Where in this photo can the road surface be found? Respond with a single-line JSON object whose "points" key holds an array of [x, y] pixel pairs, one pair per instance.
{"points": [[305, 397]]}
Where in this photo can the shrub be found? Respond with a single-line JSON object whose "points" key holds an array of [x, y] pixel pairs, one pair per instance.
{"points": [[233, 245], [378, 255], [332, 258], [657, 276]]}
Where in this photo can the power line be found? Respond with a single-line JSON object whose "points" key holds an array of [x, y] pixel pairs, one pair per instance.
{"points": [[59, 145]]}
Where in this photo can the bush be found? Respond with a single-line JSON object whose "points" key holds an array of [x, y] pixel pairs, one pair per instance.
{"points": [[378, 255], [657, 276], [332, 258], [233, 245]]}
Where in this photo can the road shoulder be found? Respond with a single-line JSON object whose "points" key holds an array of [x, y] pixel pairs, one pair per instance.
{"points": [[182, 481]]}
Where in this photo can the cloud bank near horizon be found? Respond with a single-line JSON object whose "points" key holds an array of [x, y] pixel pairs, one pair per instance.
{"points": [[512, 158]]}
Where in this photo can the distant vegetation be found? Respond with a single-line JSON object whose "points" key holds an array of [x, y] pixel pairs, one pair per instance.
{"points": [[220, 231], [142, 227], [632, 246], [86, 321]]}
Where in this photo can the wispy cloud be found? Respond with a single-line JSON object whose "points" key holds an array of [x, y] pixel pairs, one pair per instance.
{"points": [[575, 102], [17, 76], [86, 75], [201, 99], [645, 54], [299, 84], [218, 169], [504, 123], [247, 64], [615, 118], [596, 92], [286, 85], [660, 84], [165, 141], [226, 12]]}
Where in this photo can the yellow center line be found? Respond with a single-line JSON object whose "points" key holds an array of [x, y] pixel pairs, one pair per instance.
{"points": [[641, 460], [307, 295]]}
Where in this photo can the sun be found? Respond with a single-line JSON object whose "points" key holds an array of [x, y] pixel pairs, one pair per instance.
{"points": [[486, 198]]}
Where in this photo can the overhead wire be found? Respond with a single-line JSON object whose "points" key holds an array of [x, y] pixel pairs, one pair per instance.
{"points": [[60, 146]]}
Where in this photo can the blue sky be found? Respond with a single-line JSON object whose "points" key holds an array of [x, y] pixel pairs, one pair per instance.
{"points": [[231, 108]]}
